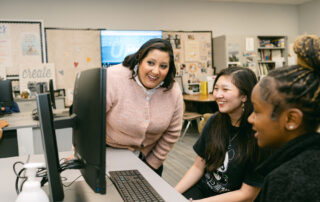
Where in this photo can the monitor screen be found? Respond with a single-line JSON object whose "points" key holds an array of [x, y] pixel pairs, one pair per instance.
{"points": [[88, 122], [6, 96], [117, 44]]}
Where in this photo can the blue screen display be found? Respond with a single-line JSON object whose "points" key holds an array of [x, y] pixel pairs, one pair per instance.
{"points": [[116, 45]]}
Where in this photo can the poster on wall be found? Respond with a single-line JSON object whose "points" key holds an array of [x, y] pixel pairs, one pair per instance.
{"points": [[5, 46], [191, 51], [21, 42], [30, 45], [192, 54], [33, 77]]}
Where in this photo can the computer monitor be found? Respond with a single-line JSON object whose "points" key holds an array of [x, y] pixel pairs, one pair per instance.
{"points": [[89, 135], [117, 44], [50, 148], [51, 90], [88, 122], [6, 96]]}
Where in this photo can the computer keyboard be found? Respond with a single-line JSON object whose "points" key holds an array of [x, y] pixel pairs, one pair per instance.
{"points": [[132, 186]]}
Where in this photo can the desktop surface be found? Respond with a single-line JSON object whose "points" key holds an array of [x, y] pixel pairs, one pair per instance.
{"points": [[116, 159]]}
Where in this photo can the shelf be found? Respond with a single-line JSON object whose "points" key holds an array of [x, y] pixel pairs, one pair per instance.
{"points": [[271, 48], [266, 61]]}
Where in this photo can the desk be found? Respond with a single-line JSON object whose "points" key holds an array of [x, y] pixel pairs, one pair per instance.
{"points": [[116, 159], [28, 133], [27, 105], [200, 103], [199, 98]]}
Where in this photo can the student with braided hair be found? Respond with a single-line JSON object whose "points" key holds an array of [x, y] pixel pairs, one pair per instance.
{"points": [[286, 117]]}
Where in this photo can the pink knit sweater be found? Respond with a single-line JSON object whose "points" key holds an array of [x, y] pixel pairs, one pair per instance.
{"points": [[137, 121]]}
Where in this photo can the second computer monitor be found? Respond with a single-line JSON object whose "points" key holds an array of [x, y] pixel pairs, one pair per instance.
{"points": [[88, 122], [6, 96], [52, 98]]}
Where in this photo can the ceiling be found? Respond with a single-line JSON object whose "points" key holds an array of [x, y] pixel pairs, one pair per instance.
{"points": [[288, 2]]}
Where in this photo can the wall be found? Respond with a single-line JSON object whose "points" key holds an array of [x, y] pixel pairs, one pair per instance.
{"points": [[309, 18], [221, 18]]}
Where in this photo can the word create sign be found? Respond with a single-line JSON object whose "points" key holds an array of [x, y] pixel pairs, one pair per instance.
{"points": [[32, 75]]}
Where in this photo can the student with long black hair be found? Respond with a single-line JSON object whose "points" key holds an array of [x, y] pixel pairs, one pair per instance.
{"points": [[286, 118], [227, 152]]}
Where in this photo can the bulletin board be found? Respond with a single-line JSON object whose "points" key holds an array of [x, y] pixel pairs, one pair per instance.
{"points": [[72, 51], [21, 43], [192, 54]]}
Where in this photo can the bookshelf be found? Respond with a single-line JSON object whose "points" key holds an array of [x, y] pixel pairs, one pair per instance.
{"points": [[272, 53]]}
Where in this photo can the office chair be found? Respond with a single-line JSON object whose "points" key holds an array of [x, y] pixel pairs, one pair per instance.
{"points": [[189, 116]]}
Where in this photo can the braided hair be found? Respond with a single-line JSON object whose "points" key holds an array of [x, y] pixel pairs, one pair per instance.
{"points": [[297, 86]]}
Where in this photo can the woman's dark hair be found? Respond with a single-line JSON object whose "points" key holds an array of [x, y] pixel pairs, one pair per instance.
{"points": [[297, 86], [159, 44], [244, 79]]}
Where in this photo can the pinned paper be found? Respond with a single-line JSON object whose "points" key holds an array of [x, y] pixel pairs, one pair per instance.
{"points": [[249, 44], [61, 72], [88, 59], [75, 64]]}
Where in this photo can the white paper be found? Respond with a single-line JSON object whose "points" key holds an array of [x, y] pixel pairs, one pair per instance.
{"points": [[249, 44], [5, 46], [278, 62]]}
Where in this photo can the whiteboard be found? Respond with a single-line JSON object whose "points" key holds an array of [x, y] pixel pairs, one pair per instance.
{"points": [[21, 43], [72, 51]]}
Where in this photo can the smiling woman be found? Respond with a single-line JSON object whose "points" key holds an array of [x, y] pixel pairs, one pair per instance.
{"points": [[226, 151], [286, 118], [144, 103]]}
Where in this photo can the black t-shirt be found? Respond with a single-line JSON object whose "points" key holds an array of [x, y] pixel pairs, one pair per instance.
{"points": [[232, 173]]}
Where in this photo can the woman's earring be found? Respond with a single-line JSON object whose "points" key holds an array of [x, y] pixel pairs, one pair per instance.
{"points": [[242, 106]]}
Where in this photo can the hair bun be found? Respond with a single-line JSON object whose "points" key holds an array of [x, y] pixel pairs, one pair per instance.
{"points": [[307, 48]]}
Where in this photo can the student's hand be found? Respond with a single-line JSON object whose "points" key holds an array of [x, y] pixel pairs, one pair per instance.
{"points": [[2, 108], [69, 157]]}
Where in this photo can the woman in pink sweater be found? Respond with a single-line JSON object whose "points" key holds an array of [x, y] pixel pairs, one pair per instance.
{"points": [[144, 104]]}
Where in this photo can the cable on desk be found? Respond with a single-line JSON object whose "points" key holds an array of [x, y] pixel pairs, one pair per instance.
{"points": [[42, 172], [72, 181]]}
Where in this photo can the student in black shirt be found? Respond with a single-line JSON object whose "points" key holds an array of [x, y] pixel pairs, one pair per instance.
{"points": [[286, 118], [227, 152]]}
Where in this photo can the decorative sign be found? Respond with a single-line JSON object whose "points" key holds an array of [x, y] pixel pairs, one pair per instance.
{"points": [[31, 77]]}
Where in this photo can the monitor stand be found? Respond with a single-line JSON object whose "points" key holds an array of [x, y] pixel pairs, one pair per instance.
{"points": [[79, 191]]}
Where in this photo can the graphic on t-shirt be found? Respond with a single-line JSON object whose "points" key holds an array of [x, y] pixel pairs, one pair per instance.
{"points": [[218, 180]]}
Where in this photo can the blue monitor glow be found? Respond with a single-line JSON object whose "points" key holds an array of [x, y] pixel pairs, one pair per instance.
{"points": [[117, 44]]}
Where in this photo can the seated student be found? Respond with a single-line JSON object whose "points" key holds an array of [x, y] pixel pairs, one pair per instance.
{"points": [[144, 103], [286, 117], [227, 152], [9, 110]]}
